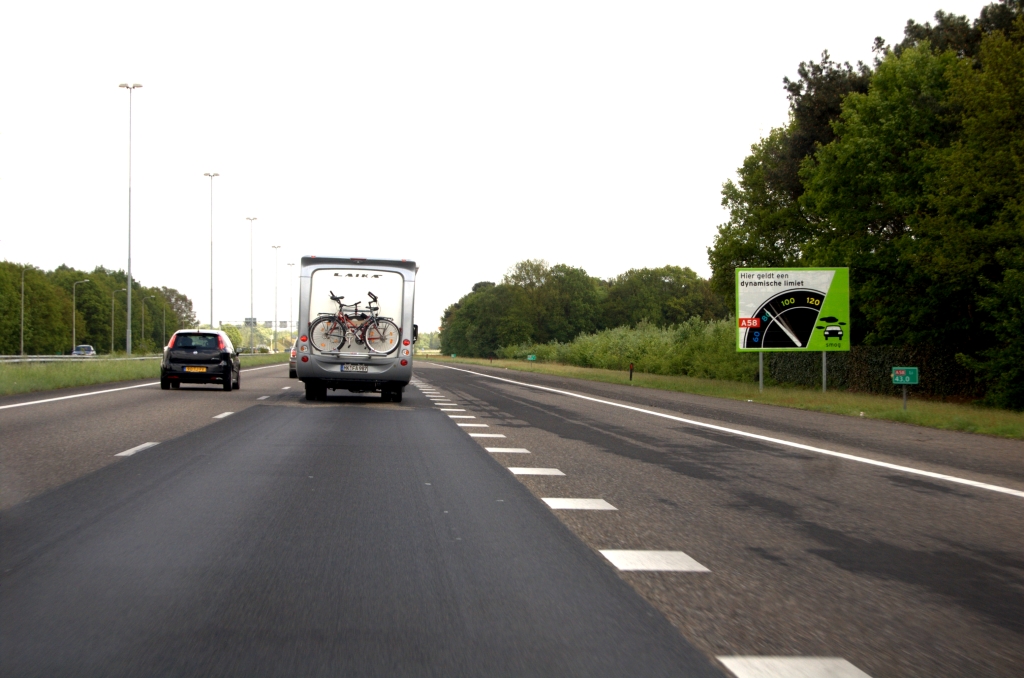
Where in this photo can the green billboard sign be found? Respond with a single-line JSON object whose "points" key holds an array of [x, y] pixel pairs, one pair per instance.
{"points": [[792, 309]]}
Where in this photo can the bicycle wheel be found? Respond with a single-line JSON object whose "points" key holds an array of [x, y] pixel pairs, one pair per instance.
{"points": [[381, 336], [327, 335]]}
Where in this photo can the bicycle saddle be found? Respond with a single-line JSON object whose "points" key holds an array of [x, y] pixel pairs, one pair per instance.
{"points": [[334, 297]]}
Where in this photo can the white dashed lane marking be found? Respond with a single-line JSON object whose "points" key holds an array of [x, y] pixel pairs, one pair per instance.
{"points": [[578, 504], [223, 414], [474, 425], [486, 435], [285, 388], [137, 448], [509, 450], [788, 667], [533, 471], [653, 561], [262, 397], [449, 409], [461, 416]]}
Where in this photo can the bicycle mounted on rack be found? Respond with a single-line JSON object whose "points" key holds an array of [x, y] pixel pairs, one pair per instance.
{"points": [[331, 332]]}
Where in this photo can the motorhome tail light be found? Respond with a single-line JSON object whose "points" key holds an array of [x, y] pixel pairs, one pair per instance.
{"points": [[404, 362], [220, 343], [405, 342], [303, 338], [305, 358]]}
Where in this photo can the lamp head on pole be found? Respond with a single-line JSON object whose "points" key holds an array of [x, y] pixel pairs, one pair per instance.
{"points": [[207, 174], [127, 86]]}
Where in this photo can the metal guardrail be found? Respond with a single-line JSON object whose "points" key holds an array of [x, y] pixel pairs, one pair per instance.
{"points": [[67, 358]]}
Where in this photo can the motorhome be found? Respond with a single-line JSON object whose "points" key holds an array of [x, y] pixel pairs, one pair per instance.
{"points": [[356, 326]]}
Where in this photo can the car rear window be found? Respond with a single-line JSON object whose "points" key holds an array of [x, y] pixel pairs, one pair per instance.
{"points": [[196, 341]]}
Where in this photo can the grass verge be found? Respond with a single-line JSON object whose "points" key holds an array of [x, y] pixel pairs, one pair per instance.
{"points": [[930, 413], [30, 377]]}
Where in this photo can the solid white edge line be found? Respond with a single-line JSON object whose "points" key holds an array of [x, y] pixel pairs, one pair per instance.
{"points": [[137, 448], [109, 390], [777, 441], [79, 395]]}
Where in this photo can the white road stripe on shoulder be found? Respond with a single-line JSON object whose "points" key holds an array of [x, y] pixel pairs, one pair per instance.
{"points": [[534, 471], [137, 448], [745, 434], [784, 667], [223, 414], [510, 450], [652, 561], [578, 504], [486, 435]]}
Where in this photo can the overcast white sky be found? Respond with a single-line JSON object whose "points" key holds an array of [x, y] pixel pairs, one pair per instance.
{"points": [[463, 135]]}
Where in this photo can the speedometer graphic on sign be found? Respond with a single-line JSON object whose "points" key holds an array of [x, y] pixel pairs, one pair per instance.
{"points": [[792, 309], [787, 320]]}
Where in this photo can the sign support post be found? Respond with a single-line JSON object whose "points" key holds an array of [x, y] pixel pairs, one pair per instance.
{"points": [[760, 372], [824, 373], [904, 397]]}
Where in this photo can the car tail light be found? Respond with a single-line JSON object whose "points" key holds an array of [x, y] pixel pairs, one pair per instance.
{"points": [[293, 352], [303, 338], [170, 344], [404, 362], [220, 342], [405, 343], [305, 358]]}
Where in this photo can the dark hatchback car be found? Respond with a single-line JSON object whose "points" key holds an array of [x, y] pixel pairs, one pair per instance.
{"points": [[200, 357]]}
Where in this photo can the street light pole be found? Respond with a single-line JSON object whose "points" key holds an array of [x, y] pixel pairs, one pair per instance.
{"points": [[142, 339], [112, 319], [276, 248], [252, 316], [211, 175], [291, 336], [128, 330], [74, 309]]}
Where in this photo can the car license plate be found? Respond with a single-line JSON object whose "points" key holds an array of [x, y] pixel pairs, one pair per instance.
{"points": [[195, 369], [346, 367]]}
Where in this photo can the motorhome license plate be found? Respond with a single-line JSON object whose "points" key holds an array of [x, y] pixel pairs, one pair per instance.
{"points": [[195, 369], [347, 367]]}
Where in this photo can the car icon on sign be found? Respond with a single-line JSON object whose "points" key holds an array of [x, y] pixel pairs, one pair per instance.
{"points": [[833, 332]]}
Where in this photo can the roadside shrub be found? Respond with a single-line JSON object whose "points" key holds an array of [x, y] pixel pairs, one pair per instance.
{"points": [[696, 348]]}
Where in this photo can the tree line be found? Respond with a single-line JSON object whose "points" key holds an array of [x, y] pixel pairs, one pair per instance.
{"points": [[911, 172], [539, 303], [98, 303]]}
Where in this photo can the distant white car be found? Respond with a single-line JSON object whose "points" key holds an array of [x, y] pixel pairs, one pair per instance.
{"points": [[84, 350]]}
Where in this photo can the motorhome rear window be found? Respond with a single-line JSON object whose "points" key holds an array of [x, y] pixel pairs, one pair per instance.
{"points": [[355, 285]]}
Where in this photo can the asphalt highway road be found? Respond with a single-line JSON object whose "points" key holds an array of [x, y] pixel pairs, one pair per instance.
{"points": [[497, 523]]}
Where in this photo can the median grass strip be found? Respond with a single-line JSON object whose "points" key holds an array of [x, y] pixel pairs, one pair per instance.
{"points": [[31, 377], [930, 413]]}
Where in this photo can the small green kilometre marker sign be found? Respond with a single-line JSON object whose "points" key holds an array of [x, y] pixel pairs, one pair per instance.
{"points": [[904, 376], [531, 357]]}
